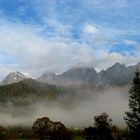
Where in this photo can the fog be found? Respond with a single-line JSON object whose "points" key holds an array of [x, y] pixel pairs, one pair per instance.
{"points": [[73, 111]]}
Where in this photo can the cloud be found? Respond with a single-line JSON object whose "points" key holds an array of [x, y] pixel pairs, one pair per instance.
{"points": [[103, 59], [35, 53], [90, 29], [73, 111], [31, 51], [135, 46], [65, 34], [121, 3], [102, 4], [94, 35], [130, 42]]}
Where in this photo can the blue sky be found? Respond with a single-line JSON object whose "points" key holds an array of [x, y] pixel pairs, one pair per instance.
{"points": [[38, 36]]}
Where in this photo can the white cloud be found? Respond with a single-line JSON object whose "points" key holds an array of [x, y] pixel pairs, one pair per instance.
{"points": [[121, 3], [33, 53], [103, 4], [103, 59], [130, 42], [90, 29], [94, 36]]}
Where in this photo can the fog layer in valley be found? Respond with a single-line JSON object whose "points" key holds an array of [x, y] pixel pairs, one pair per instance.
{"points": [[75, 109]]}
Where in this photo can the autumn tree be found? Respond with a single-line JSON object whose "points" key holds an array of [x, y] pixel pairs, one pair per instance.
{"points": [[42, 127], [133, 115], [60, 132]]}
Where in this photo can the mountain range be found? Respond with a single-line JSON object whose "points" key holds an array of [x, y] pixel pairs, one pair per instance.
{"points": [[116, 75]]}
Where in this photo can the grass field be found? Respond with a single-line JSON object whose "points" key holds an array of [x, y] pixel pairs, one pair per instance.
{"points": [[75, 138], [78, 138]]}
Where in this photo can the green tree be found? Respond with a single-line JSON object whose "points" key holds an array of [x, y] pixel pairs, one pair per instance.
{"points": [[103, 126], [102, 129], [132, 117]]}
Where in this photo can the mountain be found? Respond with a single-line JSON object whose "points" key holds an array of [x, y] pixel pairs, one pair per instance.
{"points": [[116, 75], [13, 77], [78, 76]]}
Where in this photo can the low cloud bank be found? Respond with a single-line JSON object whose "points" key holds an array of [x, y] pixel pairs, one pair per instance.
{"points": [[75, 111]]}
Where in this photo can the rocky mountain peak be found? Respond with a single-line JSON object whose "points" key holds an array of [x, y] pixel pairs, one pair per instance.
{"points": [[118, 66], [13, 77]]}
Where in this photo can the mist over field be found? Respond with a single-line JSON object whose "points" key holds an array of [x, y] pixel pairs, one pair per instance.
{"points": [[73, 111]]}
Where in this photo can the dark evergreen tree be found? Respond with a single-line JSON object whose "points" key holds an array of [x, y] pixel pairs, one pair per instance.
{"points": [[133, 115]]}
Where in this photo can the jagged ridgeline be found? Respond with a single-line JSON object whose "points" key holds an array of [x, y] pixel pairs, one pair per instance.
{"points": [[116, 75], [28, 89]]}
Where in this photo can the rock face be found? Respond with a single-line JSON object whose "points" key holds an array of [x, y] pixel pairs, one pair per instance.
{"points": [[13, 77], [73, 76], [117, 75]]}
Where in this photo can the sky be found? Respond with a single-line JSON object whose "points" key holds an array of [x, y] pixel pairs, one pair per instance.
{"points": [[38, 36]]}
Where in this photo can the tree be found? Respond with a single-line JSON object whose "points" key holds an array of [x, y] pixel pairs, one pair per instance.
{"points": [[133, 115], [60, 132], [42, 127], [90, 133], [103, 126], [102, 121], [101, 130], [3, 133]]}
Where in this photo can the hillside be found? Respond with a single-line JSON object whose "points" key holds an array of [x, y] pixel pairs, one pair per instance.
{"points": [[28, 88]]}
